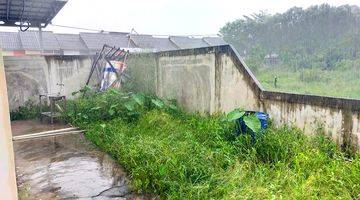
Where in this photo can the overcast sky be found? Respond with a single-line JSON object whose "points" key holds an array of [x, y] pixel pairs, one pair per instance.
{"points": [[176, 17]]}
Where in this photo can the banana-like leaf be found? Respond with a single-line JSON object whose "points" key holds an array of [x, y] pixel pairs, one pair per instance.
{"points": [[235, 114], [158, 103], [252, 122], [139, 98]]}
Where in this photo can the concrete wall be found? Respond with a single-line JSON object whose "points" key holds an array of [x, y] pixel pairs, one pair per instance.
{"points": [[189, 79], [208, 80], [338, 118], [29, 76], [215, 79], [142, 69]]}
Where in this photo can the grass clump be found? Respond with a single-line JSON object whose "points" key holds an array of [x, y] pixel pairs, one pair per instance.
{"points": [[178, 155], [30, 110]]}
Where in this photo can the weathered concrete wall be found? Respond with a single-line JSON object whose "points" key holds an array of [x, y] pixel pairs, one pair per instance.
{"points": [[338, 118], [142, 70], [206, 80], [215, 79], [29, 76], [234, 90], [188, 78]]}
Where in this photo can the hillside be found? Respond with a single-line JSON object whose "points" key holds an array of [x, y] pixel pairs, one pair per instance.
{"points": [[314, 50]]}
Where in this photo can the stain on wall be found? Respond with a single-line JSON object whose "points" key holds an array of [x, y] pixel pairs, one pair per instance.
{"points": [[29, 76]]}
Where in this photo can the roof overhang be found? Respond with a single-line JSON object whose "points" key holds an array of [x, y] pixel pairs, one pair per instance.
{"points": [[35, 13]]}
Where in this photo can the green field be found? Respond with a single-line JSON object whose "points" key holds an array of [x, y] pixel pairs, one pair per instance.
{"points": [[339, 82]]}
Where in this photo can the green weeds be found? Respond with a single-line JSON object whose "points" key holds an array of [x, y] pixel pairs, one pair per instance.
{"points": [[29, 111], [177, 155]]}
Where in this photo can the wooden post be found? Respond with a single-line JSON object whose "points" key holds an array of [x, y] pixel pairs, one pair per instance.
{"points": [[8, 188]]}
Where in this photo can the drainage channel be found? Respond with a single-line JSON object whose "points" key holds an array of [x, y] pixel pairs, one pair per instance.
{"points": [[62, 164]]}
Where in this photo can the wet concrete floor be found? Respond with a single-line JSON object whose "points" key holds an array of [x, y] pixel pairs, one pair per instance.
{"points": [[68, 167]]}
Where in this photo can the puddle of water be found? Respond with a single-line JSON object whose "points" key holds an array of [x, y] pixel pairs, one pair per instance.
{"points": [[68, 167]]}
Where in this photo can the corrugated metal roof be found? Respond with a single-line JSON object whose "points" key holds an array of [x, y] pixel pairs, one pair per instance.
{"points": [[10, 41], [187, 42], [214, 41], [31, 40], [150, 42], [90, 43], [70, 42], [37, 12], [95, 41]]}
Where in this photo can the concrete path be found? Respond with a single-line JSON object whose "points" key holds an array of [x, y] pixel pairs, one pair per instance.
{"points": [[68, 167]]}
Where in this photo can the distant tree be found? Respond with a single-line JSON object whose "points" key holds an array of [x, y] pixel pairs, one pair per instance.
{"points": [[302, 37]]}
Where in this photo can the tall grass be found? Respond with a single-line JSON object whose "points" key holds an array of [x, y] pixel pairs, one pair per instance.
{"points": [[178, 155]]}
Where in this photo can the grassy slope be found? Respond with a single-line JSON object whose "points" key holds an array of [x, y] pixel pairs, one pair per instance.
{"points": [[182, 156], [340, 82]]}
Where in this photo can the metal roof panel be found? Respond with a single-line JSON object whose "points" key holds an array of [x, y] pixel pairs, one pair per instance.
{"points": [[188, 42], [70, 42], [10, 41], [150, 42], [95, 41], [214, 41], [31, 40]]}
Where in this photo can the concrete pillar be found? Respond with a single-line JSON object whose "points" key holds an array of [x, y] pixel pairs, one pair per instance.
{"points": [[8, 188]]}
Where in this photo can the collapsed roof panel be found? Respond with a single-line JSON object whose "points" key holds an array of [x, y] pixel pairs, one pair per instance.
{"points": [[70, 42], [10, 41], [150, 42], [188, 42], [36, 12]]}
